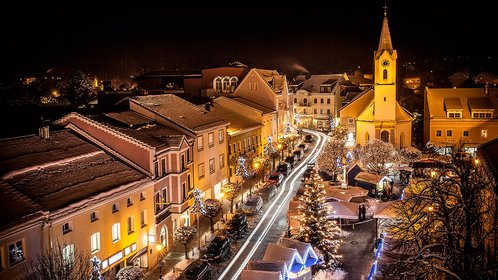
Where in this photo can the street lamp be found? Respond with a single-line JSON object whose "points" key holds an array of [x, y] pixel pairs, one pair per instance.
{"points": [[280, 147], [159, 248]]}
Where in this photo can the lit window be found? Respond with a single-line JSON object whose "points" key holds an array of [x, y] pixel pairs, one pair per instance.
{"points": [[116, 234], [449, 133], [484, 133], [200, 142], [211, 166], [131, 225], [222, 161], [221, 135], [454, 115], [95, 242], [211, 139], [439, 133], [68, 254], [200, 168], [163, 166]]}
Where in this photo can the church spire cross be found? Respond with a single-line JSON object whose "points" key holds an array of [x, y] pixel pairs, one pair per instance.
{"points": [[385, 10]]}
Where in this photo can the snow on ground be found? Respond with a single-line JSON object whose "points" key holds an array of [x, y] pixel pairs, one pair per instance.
{"points": [[344, 233], [328, 275]]}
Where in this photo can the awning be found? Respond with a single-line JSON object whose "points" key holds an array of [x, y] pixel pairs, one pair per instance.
{"points": [[131, 259]]}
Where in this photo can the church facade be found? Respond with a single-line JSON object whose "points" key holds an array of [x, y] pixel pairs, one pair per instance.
{"points": [[375, 113]]}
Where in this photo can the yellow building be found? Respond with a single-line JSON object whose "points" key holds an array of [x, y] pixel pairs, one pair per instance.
{"points": [[375, 113], [461, 115], [269, 89]]}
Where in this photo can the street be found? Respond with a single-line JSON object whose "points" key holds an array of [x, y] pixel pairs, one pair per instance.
{"points": [[273, 222]]}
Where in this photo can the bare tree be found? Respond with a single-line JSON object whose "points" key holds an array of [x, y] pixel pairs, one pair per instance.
{"points": [[330, 160], [78, 89], [410, 154], [446, 226], [130, 273], [185, 234], [375, 156], [230, 191], [339, 133], [62, 262], [212, 209]]}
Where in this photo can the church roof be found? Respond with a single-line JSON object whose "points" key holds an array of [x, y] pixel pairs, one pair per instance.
{"points": [[385, 42]]}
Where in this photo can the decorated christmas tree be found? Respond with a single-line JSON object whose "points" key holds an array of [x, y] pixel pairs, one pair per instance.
{"points": [[316, 228]]}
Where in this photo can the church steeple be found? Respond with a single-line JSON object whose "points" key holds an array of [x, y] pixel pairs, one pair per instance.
{"points": [[385, 42]]}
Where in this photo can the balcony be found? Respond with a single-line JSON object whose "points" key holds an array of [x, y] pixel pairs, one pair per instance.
{"points": [[304, 104], [163, 214]]}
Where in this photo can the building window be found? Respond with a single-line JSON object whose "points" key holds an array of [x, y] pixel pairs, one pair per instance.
{"points": [[328, 111], [183, 166], [188, 182], [465, 133], [16, 253], [200, 169], [115, 208], [130, 225], [95, 242], [143, 218], [295, 100], [221, 135], [211, 139], [384, 74], [116, 234], [315, 111], [142, 196], [156, 169], [328, 100], [481, 115], [222, 161], [68, 254], [315, 100], [484, 133], [321, 100], [129, 202], [184, 191], [305, 101], [384, 136], [163, 166], [66, 228], [439, 133], [200, 143], [454, 115], [211, 166], [449, 133], [165, 197], [321, 111], [94, 216]]}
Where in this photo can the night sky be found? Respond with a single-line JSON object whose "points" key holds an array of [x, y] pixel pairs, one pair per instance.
{"points": [[119, 39]]}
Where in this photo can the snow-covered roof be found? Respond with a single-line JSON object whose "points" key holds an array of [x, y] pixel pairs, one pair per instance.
{"points": [[344, 210], [260, 274], [385, 210], [305, 250], [345, 194], [277, 252], [370, 178], [269, 266]]}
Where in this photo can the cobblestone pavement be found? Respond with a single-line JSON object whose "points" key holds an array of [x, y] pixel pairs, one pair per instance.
{"points": [[358, 250]]}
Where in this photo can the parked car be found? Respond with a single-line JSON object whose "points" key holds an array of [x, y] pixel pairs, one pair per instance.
{"points": [[199, 270], [253, 204], [299, 153], [308, 138], [276, 178], [284, 168], [292, 159], [218, 249], [268, 191], [303, 147], [237, 225], [308, 172]]}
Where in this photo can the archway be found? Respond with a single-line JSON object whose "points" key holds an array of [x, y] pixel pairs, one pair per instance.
{"points": [[384, 136], [164, 237], [402, 140], [367, 136]]}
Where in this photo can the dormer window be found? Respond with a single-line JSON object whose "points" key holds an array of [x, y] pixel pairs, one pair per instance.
{"points": [[476, 114], [481, 108], [453, 107], [454, 114]]}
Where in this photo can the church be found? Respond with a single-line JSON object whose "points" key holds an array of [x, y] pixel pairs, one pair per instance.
{"points": [[375, 113]]}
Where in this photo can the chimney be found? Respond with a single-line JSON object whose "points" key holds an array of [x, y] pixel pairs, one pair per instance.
{"points": [[44, 132], [486, 89], [208, 106]]}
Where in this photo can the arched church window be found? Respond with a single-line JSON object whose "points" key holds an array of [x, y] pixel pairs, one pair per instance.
{"points": [[384, 74], [233, 83], [225, 84], [384, 136], [367, 136], [217, 84]]}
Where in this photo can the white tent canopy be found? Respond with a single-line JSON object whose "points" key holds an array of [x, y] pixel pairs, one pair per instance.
{"points": [[344, 210]]}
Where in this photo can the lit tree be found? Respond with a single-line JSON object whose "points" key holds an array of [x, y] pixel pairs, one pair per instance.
{"points": [[446, 225], [130, 273], [199, 209], [315, 226], [244, 171], [375, 156], [78, 89], [230, 191], [410, 154], [271, 151], [330, 160], [339, 133], [185, 234], [212, 209], [59, 263]]}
